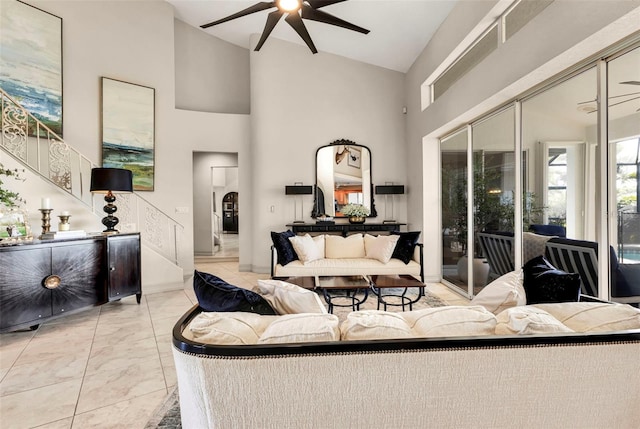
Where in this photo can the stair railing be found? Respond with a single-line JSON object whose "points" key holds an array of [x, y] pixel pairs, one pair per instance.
{"points": [[45, 153]]}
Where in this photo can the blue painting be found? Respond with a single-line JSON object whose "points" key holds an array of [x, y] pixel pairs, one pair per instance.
{"points": [[31, 61], [128, 130]]}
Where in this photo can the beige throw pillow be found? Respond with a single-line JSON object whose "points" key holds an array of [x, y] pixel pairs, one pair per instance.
{"points": [[528, 320], [374, 325], [302, 328], [504, 292], [594, 316], [308, 248], [287, 298], [227, 328], [380, 247], [452, 321], [337, 247]]}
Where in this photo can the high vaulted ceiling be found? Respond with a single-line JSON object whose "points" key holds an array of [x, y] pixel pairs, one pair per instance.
{"points": [[400, 29]]}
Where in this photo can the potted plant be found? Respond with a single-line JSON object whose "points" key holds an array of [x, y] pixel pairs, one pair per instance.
{"points": [[357, 213]]}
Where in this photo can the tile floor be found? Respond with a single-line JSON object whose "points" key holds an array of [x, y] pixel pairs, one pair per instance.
{"points": [[107, 367]]}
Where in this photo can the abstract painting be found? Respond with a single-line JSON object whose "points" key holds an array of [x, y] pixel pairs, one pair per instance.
{"points": [[31, 61], [128, 130]]}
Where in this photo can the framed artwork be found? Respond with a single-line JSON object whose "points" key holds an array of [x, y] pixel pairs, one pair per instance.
{"points": [[31, 61], [354, 157], [128, 130]]}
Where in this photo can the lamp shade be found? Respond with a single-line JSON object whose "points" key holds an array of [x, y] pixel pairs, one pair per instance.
{"points": [[104, 180], [298, 190], [390, 189]]}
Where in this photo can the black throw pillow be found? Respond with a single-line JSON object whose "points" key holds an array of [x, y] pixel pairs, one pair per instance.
{"points": [[544, 283], [283, 246], [405, 245], [214, 294]]}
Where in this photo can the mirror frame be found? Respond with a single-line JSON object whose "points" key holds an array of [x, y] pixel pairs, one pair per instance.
{"points": [[340, 142]]}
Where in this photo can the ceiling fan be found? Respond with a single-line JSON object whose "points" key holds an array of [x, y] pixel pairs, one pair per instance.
{"points": [[295, 11], [590, 107]]}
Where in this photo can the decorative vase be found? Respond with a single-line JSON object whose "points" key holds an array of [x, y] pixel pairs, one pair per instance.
{"points": [[357, 219], [480, 271]]}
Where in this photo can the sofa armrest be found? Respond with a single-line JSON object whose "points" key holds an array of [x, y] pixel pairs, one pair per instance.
{"points": [[418, 256]]}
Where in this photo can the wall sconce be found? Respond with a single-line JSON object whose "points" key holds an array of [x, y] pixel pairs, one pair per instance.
{"points": [[389, 190], [106, 181], [298, 189]]}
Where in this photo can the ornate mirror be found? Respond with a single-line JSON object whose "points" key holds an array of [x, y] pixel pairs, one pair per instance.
{"points": [[343, 176]]}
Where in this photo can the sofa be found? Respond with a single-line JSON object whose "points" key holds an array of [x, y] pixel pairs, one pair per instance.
{"points": [[356, 254], [489, 381], [497, 363]]}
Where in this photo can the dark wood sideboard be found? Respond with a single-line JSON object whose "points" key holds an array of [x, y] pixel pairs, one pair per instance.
{"points": [[343, 228], [42, 280]]}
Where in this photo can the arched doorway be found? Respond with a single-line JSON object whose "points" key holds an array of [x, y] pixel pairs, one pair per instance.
{"points": [[230, 213]]}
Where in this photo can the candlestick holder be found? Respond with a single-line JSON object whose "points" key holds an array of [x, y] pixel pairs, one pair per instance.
{"points": [[64, 222], [46, 220]]}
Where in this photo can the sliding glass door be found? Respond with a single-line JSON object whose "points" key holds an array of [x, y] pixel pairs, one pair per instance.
{"points": [[623, 89], [453, 161]]}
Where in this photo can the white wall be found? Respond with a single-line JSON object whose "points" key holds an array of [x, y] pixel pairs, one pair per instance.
{"points": [[300, 102], [211, 74], [560, 36]]}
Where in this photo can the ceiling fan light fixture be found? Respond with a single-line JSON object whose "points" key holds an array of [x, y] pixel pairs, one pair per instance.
{"points": [[289, 5]]}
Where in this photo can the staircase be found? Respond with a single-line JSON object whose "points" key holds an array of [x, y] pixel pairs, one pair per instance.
{"points": [[43, 152]]}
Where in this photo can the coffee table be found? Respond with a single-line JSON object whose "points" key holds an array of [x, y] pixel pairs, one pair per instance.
{"points": [[404, 282], [343, 288]]}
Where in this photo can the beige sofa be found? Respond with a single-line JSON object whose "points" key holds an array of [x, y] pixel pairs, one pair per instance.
{"points": [[575, 379], [349, 266]]}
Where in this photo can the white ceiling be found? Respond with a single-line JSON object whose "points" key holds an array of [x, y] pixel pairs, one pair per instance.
{"points": [[400, 29]]}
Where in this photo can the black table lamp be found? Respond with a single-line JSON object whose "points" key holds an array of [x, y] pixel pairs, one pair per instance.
{"points": [[298, 189], [386, 190], [107, 181]]}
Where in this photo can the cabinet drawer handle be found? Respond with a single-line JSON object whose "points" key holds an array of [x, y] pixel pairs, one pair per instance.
{"points": [[112, 268], [52, 281]]}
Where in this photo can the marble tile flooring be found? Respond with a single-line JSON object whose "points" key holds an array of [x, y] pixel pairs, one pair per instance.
{"points": [[107, 367]]}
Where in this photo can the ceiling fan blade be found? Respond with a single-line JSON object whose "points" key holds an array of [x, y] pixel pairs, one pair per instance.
{"points": [[272, 20], [631, 82], [263, 5], [625, 101], [324, 17], [317, 4], [295, 21]]}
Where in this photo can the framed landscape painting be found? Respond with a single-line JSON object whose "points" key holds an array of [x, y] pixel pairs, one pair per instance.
{"points": [[31, 61], [128, 130]]}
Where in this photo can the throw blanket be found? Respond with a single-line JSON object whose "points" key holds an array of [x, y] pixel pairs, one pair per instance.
{"points": [[533, 245]]}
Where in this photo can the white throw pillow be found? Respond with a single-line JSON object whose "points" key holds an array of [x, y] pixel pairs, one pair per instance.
{"points": [[451, 321], [594, 316], [374, 325], [504, 292], [287, 298], [380, 247], [227, 328], [337, 247], [308, 248], [302, 328], [528, 320]]}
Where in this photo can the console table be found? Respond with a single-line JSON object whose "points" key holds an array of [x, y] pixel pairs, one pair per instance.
{"points": [[45, 279], [344, 228]]}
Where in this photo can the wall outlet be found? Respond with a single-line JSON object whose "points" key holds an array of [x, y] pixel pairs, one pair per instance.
{"points": [[182, 210]]}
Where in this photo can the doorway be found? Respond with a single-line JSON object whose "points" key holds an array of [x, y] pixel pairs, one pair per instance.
{"points": [[215, 195]]}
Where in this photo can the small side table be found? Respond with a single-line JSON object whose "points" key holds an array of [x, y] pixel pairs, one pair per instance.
{"points": [[404, 282], [344, 288]]}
